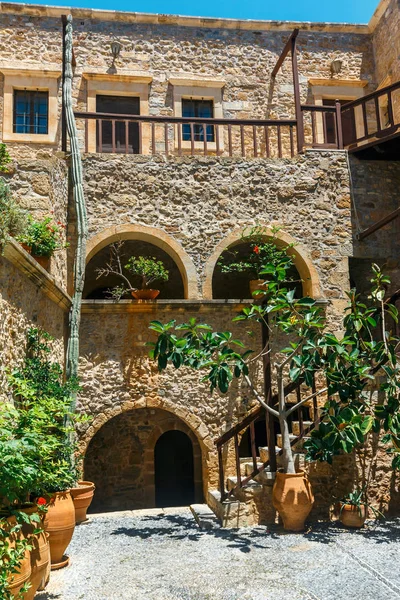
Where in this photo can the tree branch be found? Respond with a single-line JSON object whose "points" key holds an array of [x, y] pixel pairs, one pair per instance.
{"points": [[296, 406], [260, 399]]}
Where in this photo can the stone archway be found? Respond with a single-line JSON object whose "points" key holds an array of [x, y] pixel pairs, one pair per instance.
{"points": [[120, 459], [303, 264]]}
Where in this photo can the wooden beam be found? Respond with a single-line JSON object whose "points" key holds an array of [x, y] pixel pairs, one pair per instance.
{"points": [[297, 100], [390, 217], [285, 52]]}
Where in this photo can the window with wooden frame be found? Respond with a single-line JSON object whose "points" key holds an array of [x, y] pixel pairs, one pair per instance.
{"points": [[31, 112], [193, 107]]}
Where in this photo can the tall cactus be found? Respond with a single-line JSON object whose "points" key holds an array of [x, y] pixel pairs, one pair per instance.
{"points": [[81, 216]]}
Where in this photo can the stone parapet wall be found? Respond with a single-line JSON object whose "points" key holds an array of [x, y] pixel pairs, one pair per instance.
{"points": [[25, 303]]}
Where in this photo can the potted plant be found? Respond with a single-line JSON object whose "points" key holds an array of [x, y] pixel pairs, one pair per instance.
{"points": [[42, 239], [348, 364], [251, 256], [42, 405], [146, 270], [354, 509], [82, 496]]}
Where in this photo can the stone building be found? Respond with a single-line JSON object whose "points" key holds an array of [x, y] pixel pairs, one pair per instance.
{"points": [[297, 127]]}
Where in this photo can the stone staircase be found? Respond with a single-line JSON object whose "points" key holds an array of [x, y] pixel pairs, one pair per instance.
{"points": [[251, 503]]}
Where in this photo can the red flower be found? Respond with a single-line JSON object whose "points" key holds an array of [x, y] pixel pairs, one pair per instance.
{"points": [[41, 501], [256, 249]]}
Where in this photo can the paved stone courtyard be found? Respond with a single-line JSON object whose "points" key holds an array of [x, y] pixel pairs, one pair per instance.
{"points": [[163, 555]]}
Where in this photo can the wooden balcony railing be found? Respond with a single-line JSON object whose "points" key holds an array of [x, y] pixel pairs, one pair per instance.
{"points": [[180, 136], [375, 116]]}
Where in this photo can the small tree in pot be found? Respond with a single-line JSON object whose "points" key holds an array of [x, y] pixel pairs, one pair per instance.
{"points": [[147, 269], [309, 350]]}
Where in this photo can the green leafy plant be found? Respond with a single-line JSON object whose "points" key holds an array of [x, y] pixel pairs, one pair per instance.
{"points": [[44, 237], [260, 254], [350, 364], [358, 498], [13, 220], [37, 443], [5, 158], [147, 270]]}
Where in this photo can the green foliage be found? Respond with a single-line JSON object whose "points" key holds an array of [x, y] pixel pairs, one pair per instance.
{"points": [[261, 255], [352, 365], [17, 529], [358, 498], [5, 158], [44, 237], [13, 220], [36, 434], [149, 269]]}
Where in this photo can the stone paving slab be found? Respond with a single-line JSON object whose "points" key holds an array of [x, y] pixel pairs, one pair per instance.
{"points": [[164, 555]]}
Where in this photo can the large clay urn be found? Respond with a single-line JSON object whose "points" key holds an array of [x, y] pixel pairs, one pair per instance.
{"points": [[59, 523], [39, 555], [82, 496], [293, 499], [18, 579], [40, 560], [353, 516]]}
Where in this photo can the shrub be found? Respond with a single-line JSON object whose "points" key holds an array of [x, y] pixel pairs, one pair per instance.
{"points": [[44, 237], [13, 220]]}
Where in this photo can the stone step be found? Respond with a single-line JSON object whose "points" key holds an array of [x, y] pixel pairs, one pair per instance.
{"points": [[296, 426], [205, 517], [264, 453], [292, 437], [231, 513], [248, 467], [231, 482]]}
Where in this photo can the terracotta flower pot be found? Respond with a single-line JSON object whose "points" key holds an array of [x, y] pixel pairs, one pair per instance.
{"points": [[82, 496], [353, 516], [59, 523], [257, 284], [18, 579], [293, 499], [39, 555], [145, 294], [27, 248], [44, 261], [40, 564]]}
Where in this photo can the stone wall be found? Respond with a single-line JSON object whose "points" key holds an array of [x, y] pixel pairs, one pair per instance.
{"points": [[241, 56], [23, 304], [375, 190], [40, 186], [202, 202], [386, 43]]}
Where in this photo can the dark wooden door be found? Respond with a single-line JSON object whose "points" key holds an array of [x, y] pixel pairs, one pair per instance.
{"points": [[120, 105], [348, 124], [174, 473]]}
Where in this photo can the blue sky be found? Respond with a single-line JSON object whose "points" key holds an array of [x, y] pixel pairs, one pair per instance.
{"points": [[353, 11]]}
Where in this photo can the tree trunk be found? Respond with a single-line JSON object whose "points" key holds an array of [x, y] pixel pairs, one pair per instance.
{"points": [[287, 454], [81, 216]]}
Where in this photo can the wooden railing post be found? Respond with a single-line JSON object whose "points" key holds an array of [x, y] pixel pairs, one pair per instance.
{"points": [[339, 128], [297, 101]]}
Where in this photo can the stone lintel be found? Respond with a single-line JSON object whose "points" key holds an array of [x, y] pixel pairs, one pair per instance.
{"points": [[123, 76], [27, 265]]}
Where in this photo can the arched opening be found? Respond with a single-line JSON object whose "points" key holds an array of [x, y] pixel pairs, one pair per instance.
{"points": [[98, 287], [174, 469], [235, 285], [120, 459]]}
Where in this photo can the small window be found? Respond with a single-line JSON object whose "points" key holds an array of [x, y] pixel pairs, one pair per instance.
{"points": [[199, 109], [31, 112]]}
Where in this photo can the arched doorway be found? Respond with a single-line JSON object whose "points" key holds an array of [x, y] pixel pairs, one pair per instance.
{"points": [[174, 469], [120, 460]]}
